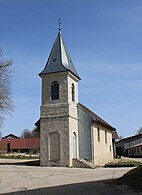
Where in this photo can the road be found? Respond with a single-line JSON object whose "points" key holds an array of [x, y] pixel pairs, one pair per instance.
{"points": [[32, 180]]}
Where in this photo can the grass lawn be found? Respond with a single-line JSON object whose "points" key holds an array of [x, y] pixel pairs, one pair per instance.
{"points": [[13, 156], [123, 163]]}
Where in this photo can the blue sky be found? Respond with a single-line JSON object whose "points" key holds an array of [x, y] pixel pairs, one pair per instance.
{"points": [[104, 39]]}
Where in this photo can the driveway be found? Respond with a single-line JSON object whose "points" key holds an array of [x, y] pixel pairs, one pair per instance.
{"points": [[32, 180]]}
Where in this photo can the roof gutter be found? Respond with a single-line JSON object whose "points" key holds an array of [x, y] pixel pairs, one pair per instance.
{"points": [[104, 125]]}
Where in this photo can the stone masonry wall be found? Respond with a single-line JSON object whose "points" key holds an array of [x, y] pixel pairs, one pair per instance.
{"points": [[48, 126], [58, 116]]}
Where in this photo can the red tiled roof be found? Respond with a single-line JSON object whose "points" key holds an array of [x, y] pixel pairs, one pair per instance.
{"points": [[23, 143]]}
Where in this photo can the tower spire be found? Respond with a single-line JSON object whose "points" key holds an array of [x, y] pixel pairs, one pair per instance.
{"points": [[59, 59], [59, 25]]}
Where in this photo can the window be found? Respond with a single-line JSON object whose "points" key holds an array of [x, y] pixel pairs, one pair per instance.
{"points": [[73, 92], [54, 90], [110, 148], [98, 134], [105, 137]]}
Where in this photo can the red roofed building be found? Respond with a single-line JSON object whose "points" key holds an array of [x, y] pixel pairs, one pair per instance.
{"points": [[21, 145]]}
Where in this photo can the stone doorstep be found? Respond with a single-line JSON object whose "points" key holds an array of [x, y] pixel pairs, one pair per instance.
{"points": [[83, 164]]}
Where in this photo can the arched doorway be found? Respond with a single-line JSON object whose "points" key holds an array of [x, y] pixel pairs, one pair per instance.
{"points": [[74, 145]]}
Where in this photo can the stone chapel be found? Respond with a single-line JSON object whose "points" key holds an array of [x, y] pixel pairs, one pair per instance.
{"points": [[70, 132]]}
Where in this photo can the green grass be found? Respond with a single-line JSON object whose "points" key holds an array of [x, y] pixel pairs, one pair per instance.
{"points": [[123, 163], [17, 157], [133, 178]]}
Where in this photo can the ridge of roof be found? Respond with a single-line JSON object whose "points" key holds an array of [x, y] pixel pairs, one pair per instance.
{"points": [[95, 117], [10, 135], [59, 59]]}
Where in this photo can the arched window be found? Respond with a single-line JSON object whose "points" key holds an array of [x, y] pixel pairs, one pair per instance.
{"points": [[54, 90], [73, 92], [74, 145]]}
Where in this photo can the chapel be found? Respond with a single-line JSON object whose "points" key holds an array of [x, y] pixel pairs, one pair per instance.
{"points": [[70, 133]]}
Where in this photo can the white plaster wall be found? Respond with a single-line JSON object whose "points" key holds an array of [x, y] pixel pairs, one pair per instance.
{"points": [[73, 114], [102, 152], [74, 80], [73, 127]]}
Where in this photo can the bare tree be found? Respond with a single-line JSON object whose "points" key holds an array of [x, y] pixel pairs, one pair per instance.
{"points": [[36, 132], [6, 105], [139, 131], [26, 134], [30, 134]]}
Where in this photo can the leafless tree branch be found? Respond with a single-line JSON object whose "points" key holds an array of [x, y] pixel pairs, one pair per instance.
{"points": [[6, 104]]}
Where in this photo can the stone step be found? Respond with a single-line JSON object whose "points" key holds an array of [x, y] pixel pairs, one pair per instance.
{"points": [[83, 163]]}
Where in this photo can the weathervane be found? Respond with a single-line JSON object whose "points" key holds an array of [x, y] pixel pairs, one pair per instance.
{"points": [[59, 23]]}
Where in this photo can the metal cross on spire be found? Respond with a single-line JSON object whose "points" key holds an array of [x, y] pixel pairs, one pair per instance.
{"points": [[59, 23]]}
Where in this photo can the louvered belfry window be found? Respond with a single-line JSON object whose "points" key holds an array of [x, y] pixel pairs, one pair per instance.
{"points": [[73, 92], [55, 90]]}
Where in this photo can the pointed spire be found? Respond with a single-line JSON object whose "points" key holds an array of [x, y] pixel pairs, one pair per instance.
{"points": [[59, 59]]}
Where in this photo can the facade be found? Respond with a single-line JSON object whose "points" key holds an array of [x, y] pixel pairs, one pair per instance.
{"points": [[95, 137], [130, 146], [69, 130], [135, 151]]}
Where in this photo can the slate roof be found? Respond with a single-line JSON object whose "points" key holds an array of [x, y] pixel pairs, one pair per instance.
{"points": [[96, 118], [59, 59], [22, 143]]}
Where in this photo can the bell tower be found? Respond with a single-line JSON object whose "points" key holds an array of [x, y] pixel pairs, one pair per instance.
{"points": [[59, 116]]}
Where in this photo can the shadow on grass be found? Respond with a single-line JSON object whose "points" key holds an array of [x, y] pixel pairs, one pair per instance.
{"points": [[87, 188], [132, 178]]}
